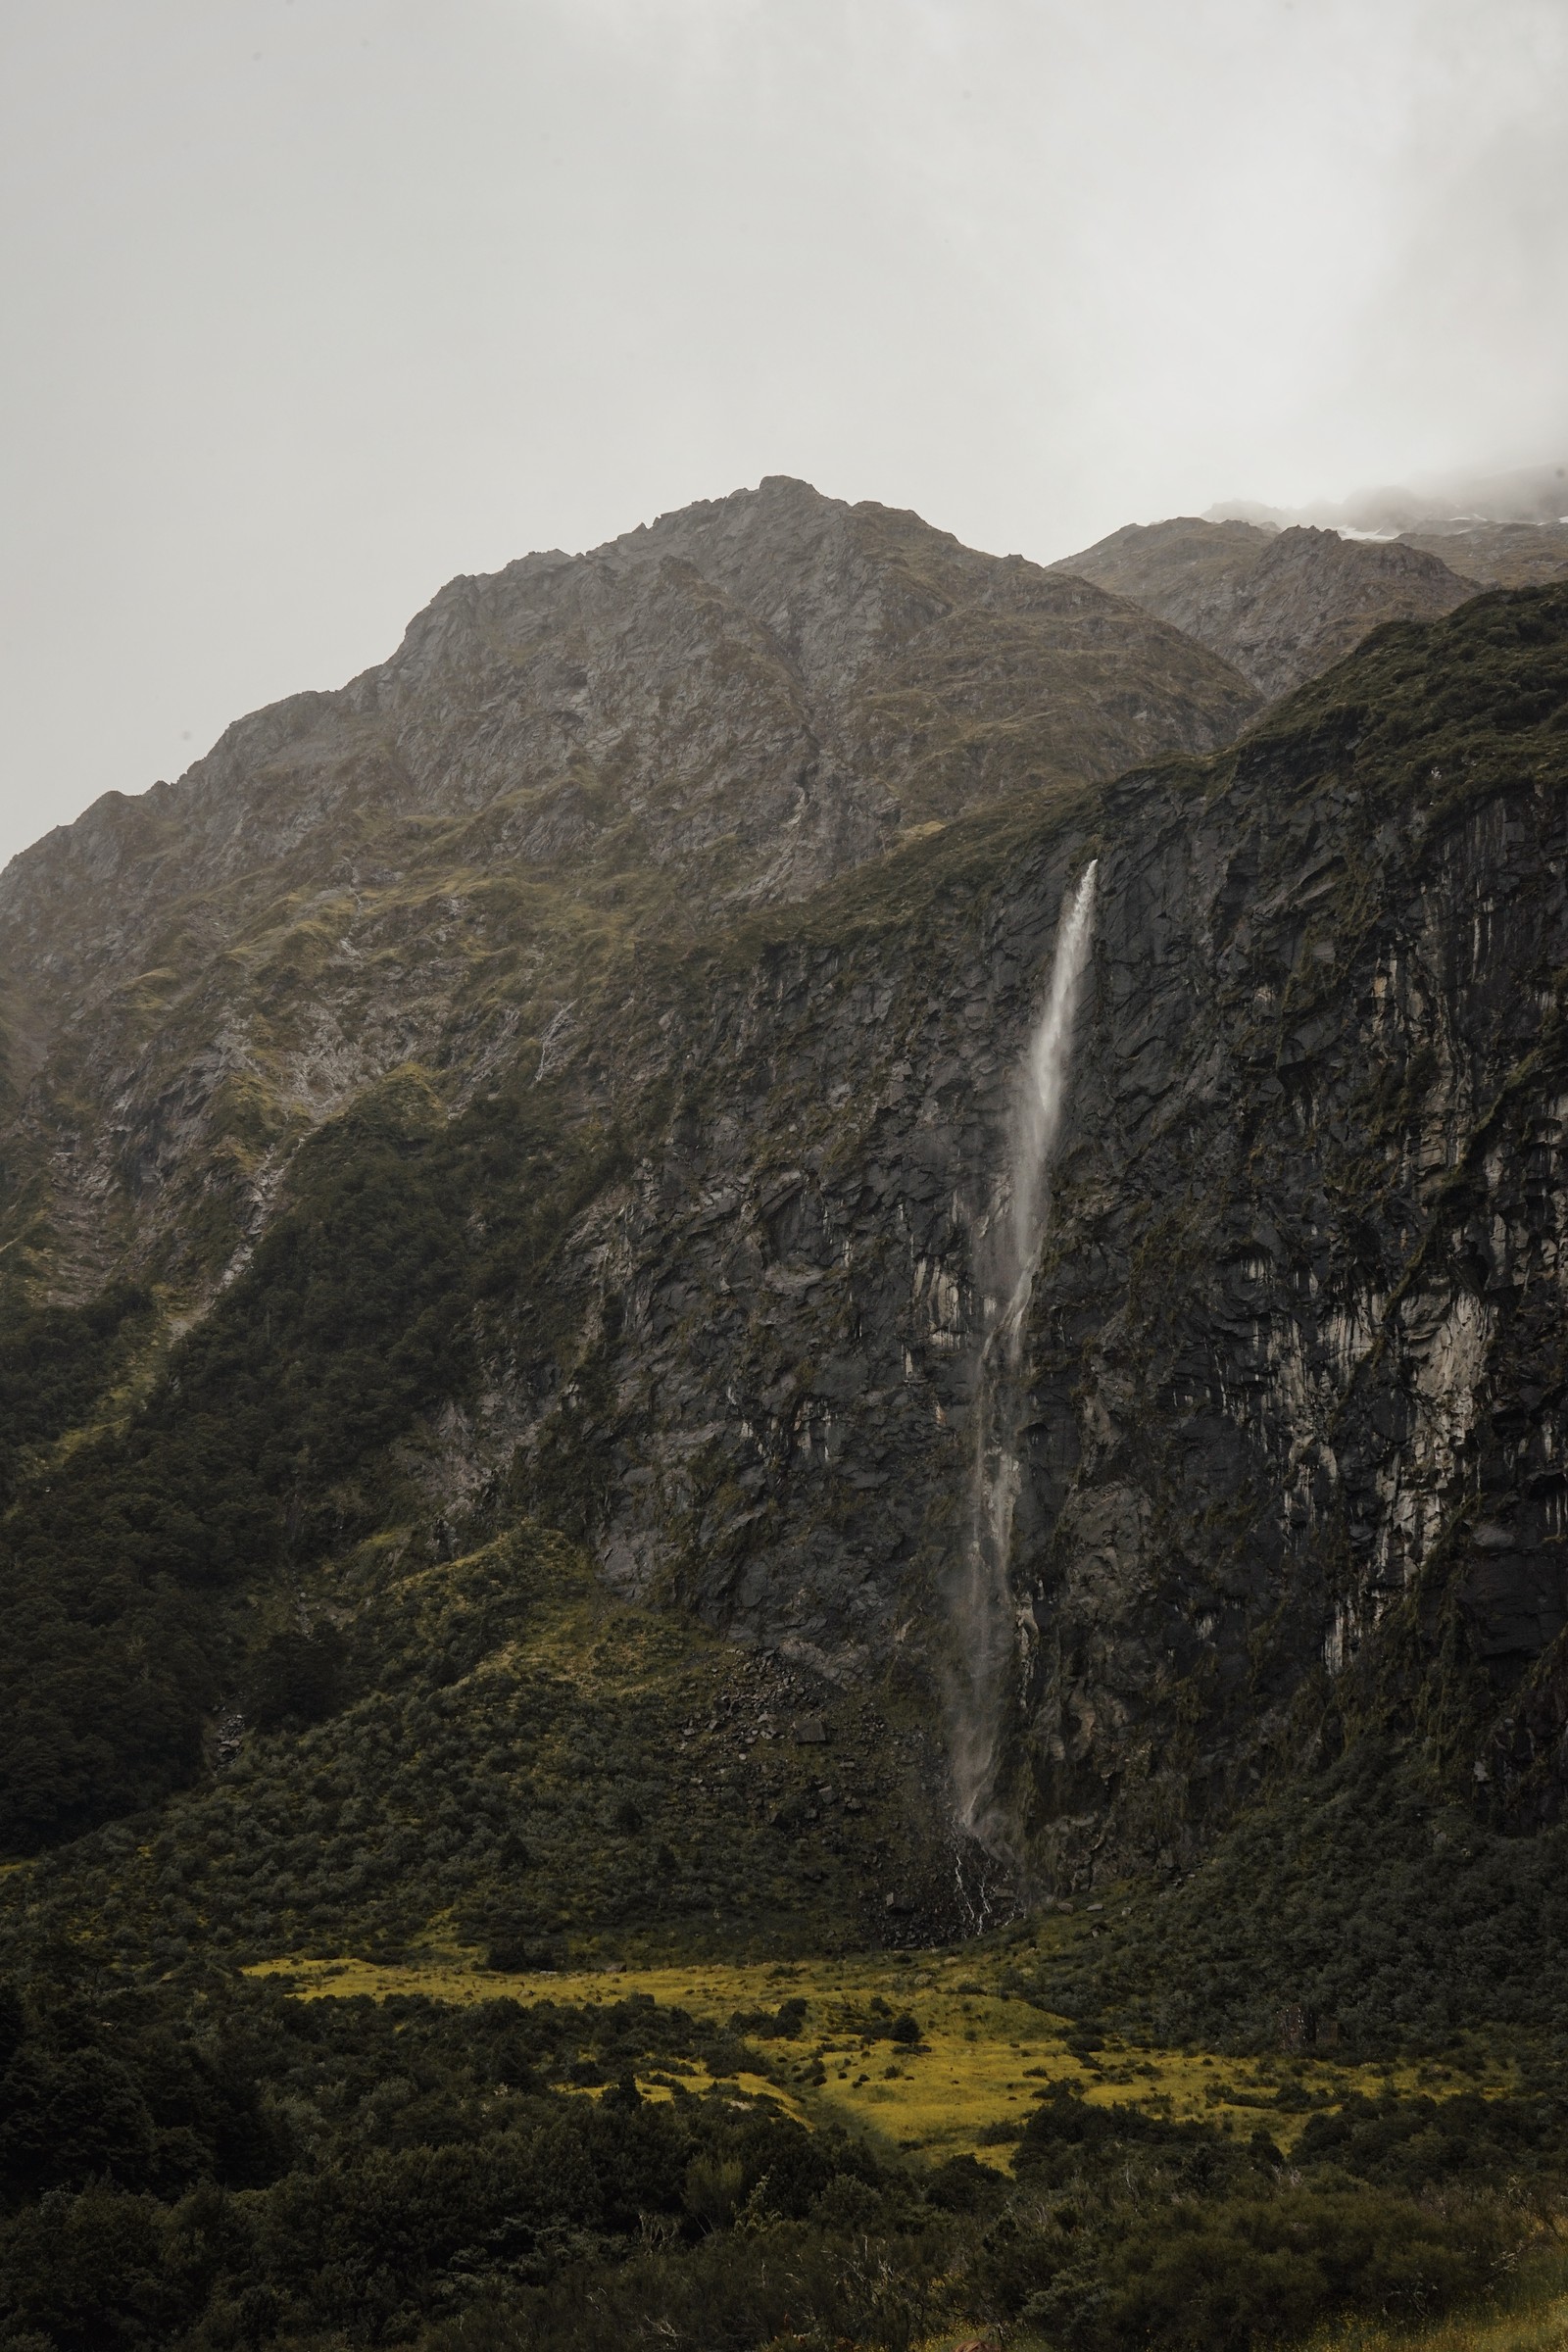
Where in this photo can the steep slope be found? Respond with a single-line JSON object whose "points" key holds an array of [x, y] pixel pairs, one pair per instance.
{"points": [[1192, 572], [1294, 1385], [705, 1298], [1279, 606], [435, 863]]}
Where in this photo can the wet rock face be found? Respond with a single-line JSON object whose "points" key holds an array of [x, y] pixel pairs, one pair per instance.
{"points": [[1295, 1366], [1316, 1407]]}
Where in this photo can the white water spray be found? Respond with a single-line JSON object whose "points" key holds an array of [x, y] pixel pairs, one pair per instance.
{"points": [[1011, 1256]]}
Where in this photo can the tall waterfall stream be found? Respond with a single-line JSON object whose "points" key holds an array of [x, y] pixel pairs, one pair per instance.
{"points": [[1008, 1255]]}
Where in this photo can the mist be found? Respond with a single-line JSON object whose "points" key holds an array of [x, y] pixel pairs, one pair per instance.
{"points": [[312, 303]]}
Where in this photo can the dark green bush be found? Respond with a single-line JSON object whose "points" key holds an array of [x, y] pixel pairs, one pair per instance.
{"points": [[226, 2166], [1226, 2277]]}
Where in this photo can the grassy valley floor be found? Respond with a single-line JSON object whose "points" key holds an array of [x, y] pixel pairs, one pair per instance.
{"points": [[961, 2080], [887, 2149], [530, 1969]]}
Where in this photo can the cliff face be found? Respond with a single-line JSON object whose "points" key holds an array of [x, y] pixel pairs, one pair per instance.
{"points": [[1293, 1367], [434, 863], [1279, 606], [672, 1237]]}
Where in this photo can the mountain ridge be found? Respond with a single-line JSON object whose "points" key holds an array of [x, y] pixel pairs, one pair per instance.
{"points": [[1281, 606], [434, 861], [656, 1220]]}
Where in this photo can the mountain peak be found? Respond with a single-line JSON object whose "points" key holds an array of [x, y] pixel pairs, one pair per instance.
{"points": [[1280, 605], [719, 712]]}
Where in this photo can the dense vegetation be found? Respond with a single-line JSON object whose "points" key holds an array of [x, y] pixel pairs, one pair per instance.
{"points": [[55, 1365], [1363, 1897], [509, 1755], [224, 2166], [127, 1569]]}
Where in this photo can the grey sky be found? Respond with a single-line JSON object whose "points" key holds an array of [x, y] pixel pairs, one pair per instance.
{"points": [[310, 304]]}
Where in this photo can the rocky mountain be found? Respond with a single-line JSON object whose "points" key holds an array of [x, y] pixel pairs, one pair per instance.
{"points": [[1501, 555], [1291, 1369], [1279, 606], [435, 863], [603, 1224]]}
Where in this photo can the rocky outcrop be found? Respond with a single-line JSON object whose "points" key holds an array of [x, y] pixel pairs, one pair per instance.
{"points": [[1279, 606]]}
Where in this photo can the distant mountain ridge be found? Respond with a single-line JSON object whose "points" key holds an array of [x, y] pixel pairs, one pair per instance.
{"points": [[1528, 494], [1500, 555], [1279, 606]]}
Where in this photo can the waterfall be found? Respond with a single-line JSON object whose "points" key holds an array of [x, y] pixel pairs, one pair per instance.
{"points": [[1009, 1257]]}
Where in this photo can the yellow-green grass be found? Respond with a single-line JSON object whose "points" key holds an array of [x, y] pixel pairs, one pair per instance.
{"points": [[983, 2058]]}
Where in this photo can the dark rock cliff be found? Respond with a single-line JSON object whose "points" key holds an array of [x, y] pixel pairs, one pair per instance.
{"points": [[1295, 1370]]}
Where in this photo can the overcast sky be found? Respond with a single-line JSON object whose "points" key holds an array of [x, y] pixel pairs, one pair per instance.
{"points": [[311, 304]]}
